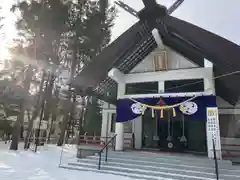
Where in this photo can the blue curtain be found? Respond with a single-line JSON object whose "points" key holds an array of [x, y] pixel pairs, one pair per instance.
{"points": [[125, 113], [202, 103]]}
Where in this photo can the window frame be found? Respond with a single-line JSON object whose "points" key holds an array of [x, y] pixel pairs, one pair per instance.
{"points": [[112, 125], [139, 86]]}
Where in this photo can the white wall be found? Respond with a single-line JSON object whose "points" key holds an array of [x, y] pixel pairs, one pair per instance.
{"points": [[175, 61], [137, 130], [179, 68], [178, 74], [146, 65]]}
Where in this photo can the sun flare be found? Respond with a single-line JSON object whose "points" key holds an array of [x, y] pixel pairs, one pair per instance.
{"points": [[8, 31]]}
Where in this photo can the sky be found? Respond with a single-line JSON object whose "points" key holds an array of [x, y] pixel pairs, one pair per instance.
{"points": [[217, 16]]}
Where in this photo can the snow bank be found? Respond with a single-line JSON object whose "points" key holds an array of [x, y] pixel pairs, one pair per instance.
{"points": [[27, 165]]}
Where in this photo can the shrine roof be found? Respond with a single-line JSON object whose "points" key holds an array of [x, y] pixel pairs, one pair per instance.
{"points": [[137, 42]]}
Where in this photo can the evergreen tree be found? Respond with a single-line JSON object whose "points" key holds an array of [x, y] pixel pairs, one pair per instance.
{"points": [[5, 127], [93, 118], [64, 33], [90, 25], [41, 27]]}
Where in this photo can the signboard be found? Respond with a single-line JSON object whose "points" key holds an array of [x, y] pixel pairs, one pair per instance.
{"points": [[213, 132]]}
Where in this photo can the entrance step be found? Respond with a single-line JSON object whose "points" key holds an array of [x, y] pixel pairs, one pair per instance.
{"points": [[151, 166], [168, 157]]}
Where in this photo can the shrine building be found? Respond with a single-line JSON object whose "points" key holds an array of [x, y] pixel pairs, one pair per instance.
{"points": [[166, 82]]}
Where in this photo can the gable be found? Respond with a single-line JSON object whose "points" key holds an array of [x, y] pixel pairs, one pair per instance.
{"points": [[137, 42], [174, 61]]}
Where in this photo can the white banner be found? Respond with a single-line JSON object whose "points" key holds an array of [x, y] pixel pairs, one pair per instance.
{"points": [[213, 132]]}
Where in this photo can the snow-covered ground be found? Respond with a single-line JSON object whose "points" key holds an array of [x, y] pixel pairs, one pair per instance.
{"points": [[43, 165]]}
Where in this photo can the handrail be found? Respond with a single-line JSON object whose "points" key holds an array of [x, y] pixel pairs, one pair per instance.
{"points": [[105, 147], [215, 159], [93, 139]]}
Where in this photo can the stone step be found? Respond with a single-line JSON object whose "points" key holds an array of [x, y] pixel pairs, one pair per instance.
{"points": [[154, 166], [153, 160], [162, 156], [162, 166], [118, 173], [153, 169], [155, 174]]}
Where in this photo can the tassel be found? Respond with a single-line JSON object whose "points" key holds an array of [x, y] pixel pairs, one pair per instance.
{"points": [[174, 112], [161, 113], [161, 102], [152, 113]]}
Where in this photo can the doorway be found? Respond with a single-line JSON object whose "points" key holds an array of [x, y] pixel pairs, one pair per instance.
{"points": [[173, 134]]}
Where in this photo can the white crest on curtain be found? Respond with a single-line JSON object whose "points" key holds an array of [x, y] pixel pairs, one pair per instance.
{"points": [[137, 108], [189, 108]]}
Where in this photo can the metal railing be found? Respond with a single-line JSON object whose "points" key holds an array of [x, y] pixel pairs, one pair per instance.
{"points": [[112, 140], [86, 139], [101, 141], [216, 160]]}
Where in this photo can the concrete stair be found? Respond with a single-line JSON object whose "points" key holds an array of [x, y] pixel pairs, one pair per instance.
{"points": [[157, 166]]}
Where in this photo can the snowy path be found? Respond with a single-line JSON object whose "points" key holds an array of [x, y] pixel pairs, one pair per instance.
{"points": [[27, 165]]}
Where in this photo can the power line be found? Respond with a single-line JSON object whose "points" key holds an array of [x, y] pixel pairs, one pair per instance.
{"points": [[217, 77]]}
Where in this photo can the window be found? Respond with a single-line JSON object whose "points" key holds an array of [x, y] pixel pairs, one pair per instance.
{"points": [[142, 88], [191, 85], [160, 61], [127, 125]]}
